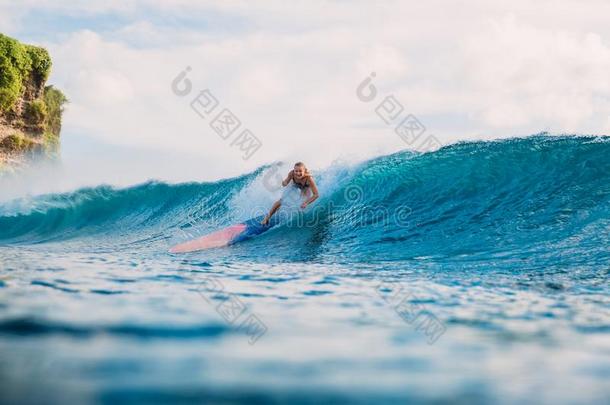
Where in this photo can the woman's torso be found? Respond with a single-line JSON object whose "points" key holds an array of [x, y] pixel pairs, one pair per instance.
{"points": [[302, 183]]}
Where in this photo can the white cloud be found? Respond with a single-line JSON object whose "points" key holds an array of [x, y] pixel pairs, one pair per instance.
{"points": [[540, 77], [290, 70]]}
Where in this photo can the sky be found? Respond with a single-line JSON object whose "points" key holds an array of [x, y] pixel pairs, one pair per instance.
{"points": [[292, 74]]}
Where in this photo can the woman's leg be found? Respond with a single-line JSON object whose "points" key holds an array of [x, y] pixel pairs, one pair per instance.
{"points": [[276, 206]]}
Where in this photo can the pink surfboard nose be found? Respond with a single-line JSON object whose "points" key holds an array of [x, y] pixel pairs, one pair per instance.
{"points": [[216, 239]]}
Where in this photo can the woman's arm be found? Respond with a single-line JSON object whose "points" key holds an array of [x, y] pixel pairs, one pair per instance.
{"points": [[315, 195], [288, 178]]}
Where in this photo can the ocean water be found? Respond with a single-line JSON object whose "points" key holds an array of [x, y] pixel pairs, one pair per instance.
{"points": [[478, 273]]}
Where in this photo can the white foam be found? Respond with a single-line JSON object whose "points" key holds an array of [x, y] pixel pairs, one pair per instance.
{"points": [[257, 197]]}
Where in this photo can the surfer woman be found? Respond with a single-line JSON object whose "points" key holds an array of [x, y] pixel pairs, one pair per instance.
{"points": [[302, 180]]}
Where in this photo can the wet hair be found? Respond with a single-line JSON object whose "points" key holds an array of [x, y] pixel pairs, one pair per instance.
{"points": [[301, 164]]}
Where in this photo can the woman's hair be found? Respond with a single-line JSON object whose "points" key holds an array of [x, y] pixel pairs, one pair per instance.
{"points": [[301, 164]]}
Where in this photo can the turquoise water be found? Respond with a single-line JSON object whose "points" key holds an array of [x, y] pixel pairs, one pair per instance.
{"points": [[475, 274]]}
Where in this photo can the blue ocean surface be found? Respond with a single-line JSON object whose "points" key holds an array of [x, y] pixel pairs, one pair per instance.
{"points": [[478, 273]]}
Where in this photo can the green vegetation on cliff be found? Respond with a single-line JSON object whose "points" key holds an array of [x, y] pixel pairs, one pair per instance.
{"points": [[54, 101], [30, 113], [17, 143], [20, 64]]}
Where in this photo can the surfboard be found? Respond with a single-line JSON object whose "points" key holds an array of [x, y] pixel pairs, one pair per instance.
{"points": [[226, 236]]}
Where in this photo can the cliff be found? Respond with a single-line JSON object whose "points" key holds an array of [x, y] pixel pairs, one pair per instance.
{"points": [[30, 112]]}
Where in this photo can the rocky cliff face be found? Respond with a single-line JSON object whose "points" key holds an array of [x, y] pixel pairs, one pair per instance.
{"points": [[30, 113]]}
